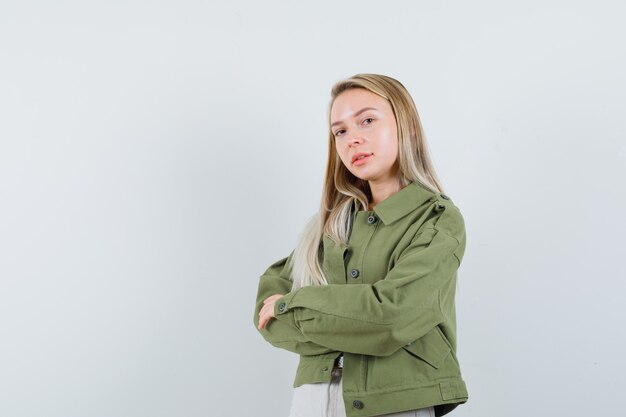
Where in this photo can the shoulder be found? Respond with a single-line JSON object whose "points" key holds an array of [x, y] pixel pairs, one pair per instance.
{"points": [[449, 218]]}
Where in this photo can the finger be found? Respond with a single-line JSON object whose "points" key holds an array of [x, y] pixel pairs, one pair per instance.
{"points": [[263, 321]]}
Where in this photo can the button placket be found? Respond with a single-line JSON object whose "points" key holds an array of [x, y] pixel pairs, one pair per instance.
{"points": [[364, 226]]}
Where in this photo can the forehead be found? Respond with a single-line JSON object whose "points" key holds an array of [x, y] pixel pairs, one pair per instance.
{"points": [[353, 100]]}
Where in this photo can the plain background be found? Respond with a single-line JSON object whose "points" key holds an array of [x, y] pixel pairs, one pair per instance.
{"points": [[157, 156]]}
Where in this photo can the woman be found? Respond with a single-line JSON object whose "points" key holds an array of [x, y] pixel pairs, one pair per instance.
{"points": [[366, 298]]}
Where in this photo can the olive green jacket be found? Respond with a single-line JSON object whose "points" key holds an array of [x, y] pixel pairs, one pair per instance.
{"points": [[389, 308]]}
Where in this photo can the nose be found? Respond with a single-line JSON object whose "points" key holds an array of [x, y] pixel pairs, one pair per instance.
{"points": [[354, 140]]}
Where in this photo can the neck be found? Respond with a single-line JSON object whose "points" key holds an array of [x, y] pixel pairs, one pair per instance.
{"points": [[381, 191]]}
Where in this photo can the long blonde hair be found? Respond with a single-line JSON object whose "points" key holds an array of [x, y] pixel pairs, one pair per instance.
{"points": [[342, 190]]}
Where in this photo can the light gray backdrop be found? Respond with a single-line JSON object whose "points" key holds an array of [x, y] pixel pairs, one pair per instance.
{"points": [[157, 156]]}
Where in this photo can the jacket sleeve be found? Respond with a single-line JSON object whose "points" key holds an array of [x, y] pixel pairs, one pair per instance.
{"points": [[282, 334], [378, 319]]}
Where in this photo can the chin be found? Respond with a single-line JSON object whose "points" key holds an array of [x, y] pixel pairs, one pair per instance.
{"points": [[364, 177]]}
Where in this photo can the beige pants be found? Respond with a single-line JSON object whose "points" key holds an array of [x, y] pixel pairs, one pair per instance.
{"points": [[326, 400]]}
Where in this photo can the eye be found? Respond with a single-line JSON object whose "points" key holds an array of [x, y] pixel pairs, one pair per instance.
{"points": [[369, 118], [337, 132]]}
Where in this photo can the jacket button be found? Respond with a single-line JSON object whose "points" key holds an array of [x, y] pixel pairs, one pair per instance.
{"points": [[371, 219], [281, 307], [445, 196], [357, 404], [325, 369], [354, 273]]}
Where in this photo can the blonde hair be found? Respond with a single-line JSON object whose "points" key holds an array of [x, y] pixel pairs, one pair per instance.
{"points": [[342, 190]]}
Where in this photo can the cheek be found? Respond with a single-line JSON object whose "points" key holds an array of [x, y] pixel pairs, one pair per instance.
{"points": [[341, 152], [390, 143], [338, 150]]}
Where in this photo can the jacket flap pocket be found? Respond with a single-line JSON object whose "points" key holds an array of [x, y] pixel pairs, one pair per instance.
{"points": [[431, 348]]}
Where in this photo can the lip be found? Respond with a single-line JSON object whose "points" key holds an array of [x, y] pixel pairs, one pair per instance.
{"points": [[355, 156]]}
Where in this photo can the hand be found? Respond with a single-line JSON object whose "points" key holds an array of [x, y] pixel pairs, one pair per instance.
{"points": [[267, 311]]}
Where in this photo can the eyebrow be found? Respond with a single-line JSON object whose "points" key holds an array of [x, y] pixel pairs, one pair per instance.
{"points": [[355, 114]]}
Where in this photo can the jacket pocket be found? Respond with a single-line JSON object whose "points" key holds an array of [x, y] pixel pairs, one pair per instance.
{"points": [[432, 348]]}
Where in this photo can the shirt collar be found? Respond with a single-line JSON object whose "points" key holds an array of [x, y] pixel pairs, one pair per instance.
{"points": [[402, 202]]}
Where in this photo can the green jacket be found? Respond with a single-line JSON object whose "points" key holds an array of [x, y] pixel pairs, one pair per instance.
{"points": [[389, 308]]}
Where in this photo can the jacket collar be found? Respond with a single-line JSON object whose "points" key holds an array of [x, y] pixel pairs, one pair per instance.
{"points": [[402, 202]]}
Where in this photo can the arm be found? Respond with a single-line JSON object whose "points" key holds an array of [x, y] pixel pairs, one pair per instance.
{"points": [[378, 319], [283, 334]]}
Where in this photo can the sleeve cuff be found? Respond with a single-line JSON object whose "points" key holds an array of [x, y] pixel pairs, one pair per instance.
{"points": [[282, 310]]}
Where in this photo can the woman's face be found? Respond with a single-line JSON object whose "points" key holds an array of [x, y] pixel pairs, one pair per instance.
{"points": [[363, 123]]}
